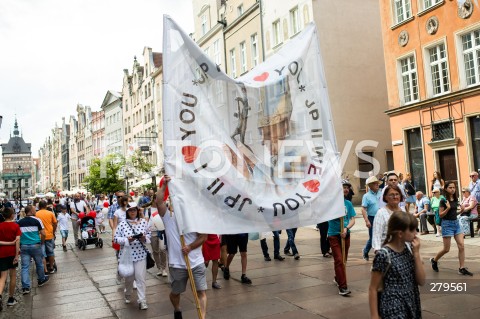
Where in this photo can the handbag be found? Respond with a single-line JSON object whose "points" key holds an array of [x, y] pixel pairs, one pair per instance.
{"points": [[150, 261], [125, 263]]}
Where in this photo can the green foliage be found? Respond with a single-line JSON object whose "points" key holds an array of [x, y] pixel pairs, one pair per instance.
{"points": [[104, 175], [139, 162]]}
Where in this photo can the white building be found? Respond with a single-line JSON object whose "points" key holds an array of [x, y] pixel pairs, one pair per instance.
{"points": [[112, 107]]}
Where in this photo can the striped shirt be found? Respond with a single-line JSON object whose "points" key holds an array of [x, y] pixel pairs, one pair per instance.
{"points": [[30, 227]]}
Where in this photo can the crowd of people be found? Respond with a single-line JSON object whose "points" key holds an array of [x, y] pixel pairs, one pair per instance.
{"points": [[393, 210]]}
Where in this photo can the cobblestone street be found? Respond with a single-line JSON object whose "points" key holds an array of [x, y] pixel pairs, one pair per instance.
{"points": [[85, 286]]}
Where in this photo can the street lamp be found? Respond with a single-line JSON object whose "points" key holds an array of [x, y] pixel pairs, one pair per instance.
{"points": [[19, 170]]}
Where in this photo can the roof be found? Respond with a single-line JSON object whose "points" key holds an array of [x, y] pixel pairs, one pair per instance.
{"points": [[157, 59], [16, 144]]}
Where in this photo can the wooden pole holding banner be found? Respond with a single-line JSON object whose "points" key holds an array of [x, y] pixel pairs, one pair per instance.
{"points": [[343, 245], [190, 274]]}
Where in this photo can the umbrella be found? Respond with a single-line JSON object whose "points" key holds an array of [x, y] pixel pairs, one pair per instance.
{"points": [[3, 194], [49, 194]]}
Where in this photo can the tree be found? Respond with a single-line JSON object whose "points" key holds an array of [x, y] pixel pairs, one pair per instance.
{"points": [[104, 176], [140, 163]]}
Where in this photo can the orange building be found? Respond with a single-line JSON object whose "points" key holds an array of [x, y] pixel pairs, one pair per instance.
{"points": [[432, 59]]}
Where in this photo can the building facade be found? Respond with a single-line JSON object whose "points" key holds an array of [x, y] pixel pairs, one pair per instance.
{"points": [[432, 54], [98, 134], [112, 108], [16, 179], [73, 157], [65, 155]]}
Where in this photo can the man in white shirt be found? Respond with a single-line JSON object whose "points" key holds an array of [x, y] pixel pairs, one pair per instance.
{"points": [[176, 257], [77, 206], [392, 180]]}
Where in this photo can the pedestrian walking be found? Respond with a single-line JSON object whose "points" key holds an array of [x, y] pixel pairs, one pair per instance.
{"points": [[435, 203], [133, 232], [397, 271], [335, 236], [451, 228], [211, 252], [422, 210], [158, 239], [50, 224], [276, 246], [324, 242], [410, 191], [291, 244], [176, 257], [392, 196], [63, 221], [31, 248], [369, 209], [9, 248], [468, 210], [77, 206]]}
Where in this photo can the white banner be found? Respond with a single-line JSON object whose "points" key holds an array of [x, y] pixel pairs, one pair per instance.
{"points": [[255, 153]]}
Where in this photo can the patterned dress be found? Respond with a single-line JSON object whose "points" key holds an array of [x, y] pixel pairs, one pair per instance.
{"points": [[401, 297]]}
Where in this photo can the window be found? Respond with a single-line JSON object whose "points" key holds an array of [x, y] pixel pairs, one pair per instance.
{"points": [[276, 32], [442, 131], [240, 10], [216, 52], [233, 62], [475, 136], [254, 41], [390, 163], [243, 57], [409, 79], [294, 20], [204, 24], [364, 167], [430, 3], [439, 69], [401, 10], [471, 56], [415, 158]]}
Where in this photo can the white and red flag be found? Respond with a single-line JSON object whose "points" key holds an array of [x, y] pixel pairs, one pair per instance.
{"points": [[252, 153]]}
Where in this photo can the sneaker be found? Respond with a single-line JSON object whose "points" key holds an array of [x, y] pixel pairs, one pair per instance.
{"points": [[344, 291], [43, 282], [434, 265], [159, 273], [142, 305], [267, 258], [25, 291], [177, 315], [287, 253], [118, 280], [164, 273], [464, 271], [245, 280], [64, 248], [127, 300], [280, 258], [438, 235], [52, 271], [297, 257], [335, 281], [11, 302], [364, 255], [226, 274], [215, 285]]}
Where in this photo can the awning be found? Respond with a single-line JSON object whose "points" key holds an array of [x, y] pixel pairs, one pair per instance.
{"points": [[141, 183]]}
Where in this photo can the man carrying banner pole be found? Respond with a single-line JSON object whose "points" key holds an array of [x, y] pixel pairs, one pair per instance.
{"points": [[339, 237], [190, 266]]}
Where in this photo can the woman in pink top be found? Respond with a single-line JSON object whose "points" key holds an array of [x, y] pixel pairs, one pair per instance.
{"points": [[468, 210]]}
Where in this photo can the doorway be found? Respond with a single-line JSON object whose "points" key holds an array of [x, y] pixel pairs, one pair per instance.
{"points": [[448, 165]]}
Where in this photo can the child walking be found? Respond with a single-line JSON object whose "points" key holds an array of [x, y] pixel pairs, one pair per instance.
{"points": [[400, 268], [63, 221]]}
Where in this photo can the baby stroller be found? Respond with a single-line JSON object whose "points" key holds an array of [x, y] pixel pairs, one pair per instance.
{"points": [[89, 232]]}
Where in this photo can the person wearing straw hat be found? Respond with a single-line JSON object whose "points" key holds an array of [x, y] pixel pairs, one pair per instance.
{"points": [[339, 238], [369, 209], [179, 264]]}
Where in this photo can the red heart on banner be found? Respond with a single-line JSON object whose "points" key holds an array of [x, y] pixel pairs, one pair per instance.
{"points": [[312, 185], [188, 153], [167, 192], [262, 77]]}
